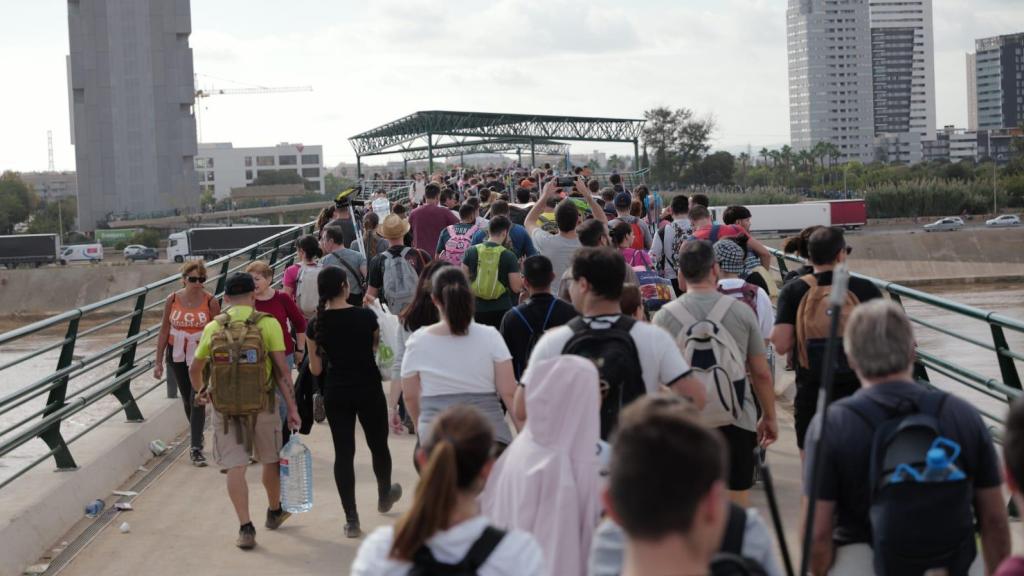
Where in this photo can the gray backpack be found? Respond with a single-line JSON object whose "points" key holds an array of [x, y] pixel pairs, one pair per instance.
{"points": [[400, 280]]}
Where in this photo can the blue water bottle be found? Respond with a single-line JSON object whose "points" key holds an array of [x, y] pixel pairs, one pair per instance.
{"points": [[939, 466], [296, 476]]}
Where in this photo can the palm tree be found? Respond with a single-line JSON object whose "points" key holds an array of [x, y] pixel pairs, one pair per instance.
{"points": [[764, 154]]}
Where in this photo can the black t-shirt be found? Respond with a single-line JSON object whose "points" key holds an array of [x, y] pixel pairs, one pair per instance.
{"points": [[517, 336], [789, 301], [346, 337], [847, 452], [375, 269]]}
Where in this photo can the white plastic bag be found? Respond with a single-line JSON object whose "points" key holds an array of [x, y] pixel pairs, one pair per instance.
{"points": [[388, 337]]}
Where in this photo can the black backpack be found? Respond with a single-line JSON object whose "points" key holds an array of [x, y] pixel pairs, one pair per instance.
{"points": [[424, 563], [915, 526], [618, 363], [730, 561], [534, 334]]}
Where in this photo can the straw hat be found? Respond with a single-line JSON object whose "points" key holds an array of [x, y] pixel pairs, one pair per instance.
{"points": [[393, 227]]}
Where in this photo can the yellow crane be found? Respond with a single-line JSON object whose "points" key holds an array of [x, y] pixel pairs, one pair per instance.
{"points": [[203, 93]]}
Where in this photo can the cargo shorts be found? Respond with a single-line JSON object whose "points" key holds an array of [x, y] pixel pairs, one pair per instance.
{"points": [[229, 453]]}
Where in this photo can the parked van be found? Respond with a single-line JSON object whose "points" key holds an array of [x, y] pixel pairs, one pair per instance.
{"points": [[81, 253]]}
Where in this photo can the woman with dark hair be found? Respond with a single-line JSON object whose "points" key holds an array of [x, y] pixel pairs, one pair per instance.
{"points": [[444, 523], [344, 342], [622, 238], [798, 245], [421, 312], [373, 244], [307, 252], [457, 361]]}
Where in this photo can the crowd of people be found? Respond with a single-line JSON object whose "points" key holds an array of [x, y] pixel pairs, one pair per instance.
{"points": [[570, 418]]}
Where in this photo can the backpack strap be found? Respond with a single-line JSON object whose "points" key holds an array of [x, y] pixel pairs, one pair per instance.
{"points": [[720, 309], [714, 232], [355, 272], [482, 549], [523, 318], [623, 324], [736, 526], [551, 308], [681, 314]]}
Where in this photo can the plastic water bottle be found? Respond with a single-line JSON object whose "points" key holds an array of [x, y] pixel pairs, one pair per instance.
{"points": [[939, 467], [296, 476]]}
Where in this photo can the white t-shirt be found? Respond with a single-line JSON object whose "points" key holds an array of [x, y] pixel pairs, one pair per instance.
{"points": [[660, 359], [765, 313], [517, 553], [455, 364]]}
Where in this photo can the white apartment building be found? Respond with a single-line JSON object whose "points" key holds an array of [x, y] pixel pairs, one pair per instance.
{"points": [[221, 166], [903, 67]]}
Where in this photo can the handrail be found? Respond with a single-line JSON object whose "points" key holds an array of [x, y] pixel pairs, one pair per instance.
{"points": [[1005, 390], [38, 408]]}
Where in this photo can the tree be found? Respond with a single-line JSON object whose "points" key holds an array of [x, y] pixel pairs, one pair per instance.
{"points": [[333, 185], [718, 168], [16, 201], [677, 140], [54, 216], [615, 163], [207, 200]]}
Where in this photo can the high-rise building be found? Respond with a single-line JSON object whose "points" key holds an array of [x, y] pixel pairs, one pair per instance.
{"points": [[861, 75], [996, 97], [972, 91], [131, 92], [222, 167]]}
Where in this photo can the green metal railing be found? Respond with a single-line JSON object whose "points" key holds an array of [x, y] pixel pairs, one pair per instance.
{"points": [[1004, 389], [68, 390]]}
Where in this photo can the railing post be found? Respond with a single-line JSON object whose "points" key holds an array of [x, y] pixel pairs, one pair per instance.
{"points": [[223, 277], [273, 255], [782, 265], [1007, 367], [55, 401], [124, 392], [920, 372]]}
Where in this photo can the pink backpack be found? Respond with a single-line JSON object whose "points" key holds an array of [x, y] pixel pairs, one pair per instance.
{"points": [[457, 244]]}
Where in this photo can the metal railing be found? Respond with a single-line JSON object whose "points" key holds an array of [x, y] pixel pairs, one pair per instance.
{"points": [[1004, 389], [80, 382]]}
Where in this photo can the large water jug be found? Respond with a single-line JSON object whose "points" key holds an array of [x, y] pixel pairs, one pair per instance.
{"points": [[296, 476]]}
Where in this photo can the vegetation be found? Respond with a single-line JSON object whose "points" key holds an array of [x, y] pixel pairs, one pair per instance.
{"points": [[17, 200], [54, 216]]}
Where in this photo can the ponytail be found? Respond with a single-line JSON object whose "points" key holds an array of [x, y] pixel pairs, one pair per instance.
{"points": [[451, 288], [331, 282], [319, 326], [460, 445], [370, 223]]}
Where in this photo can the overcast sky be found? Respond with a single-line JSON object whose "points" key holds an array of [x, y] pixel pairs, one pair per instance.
{"points": [[371, 62]]}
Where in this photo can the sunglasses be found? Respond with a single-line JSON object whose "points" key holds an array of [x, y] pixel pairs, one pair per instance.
{"points": [[196, 279]]}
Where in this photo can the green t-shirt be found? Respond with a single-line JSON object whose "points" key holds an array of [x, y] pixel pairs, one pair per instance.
{"points": [[270, 328], [507, 264]]}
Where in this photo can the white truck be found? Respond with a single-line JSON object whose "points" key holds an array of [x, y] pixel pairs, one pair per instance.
{"points": [[82, 253], [212, 243], [783, 217]]}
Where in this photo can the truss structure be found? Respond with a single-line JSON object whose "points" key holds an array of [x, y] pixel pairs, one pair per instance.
{"points": [[430, 134]]}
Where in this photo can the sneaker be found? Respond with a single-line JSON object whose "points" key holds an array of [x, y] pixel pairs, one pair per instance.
{"points": [[198, 459], [352, 529], [388, 500], [246, 537], [276, 517]]}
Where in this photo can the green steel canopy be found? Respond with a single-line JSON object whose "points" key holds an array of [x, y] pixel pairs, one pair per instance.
{"points": [[444, 133]]}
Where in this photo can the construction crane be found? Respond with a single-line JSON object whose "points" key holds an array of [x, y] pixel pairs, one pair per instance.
{"points": [[202, 93]]}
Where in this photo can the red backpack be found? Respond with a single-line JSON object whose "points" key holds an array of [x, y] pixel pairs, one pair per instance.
{"points": [[638, 236], [748, 294]]}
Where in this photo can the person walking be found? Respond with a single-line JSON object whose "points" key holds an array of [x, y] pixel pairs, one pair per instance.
{"points": [[494, 271], [345, 340], [339, 254], [560, 247], [307, 252], [186, 312], [399, 265], [235, 443], [429, 219], [288, 315], [547, 482], [457, 361], [373, 244], [669, 239], [444, 525], [622, 235]]}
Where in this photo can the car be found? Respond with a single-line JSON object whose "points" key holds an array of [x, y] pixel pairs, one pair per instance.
{"points": [[1004, 220], [952, 223], [141, 253], [132, 249]]}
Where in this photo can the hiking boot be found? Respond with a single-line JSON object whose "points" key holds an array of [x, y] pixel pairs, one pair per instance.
{"points": [[246, 537], [198, 459], [385, 502], [352, 529], [276, 517]]}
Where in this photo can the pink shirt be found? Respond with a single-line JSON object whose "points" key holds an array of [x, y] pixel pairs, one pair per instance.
{"points": [[291, 277]]}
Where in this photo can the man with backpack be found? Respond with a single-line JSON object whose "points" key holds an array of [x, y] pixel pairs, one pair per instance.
{"points": [[457, 238], [729, 256], [641, 233], [494, 272], [633, 358], [881, 508], [394, 273], [802, 324], [670, 238], [351, 261], [720, 339], [523, 325], [245, 353], [518, 238]]}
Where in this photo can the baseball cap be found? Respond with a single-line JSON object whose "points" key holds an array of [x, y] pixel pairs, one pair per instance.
{"points": [[239, 283], [729, 256], [623, 200]]}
